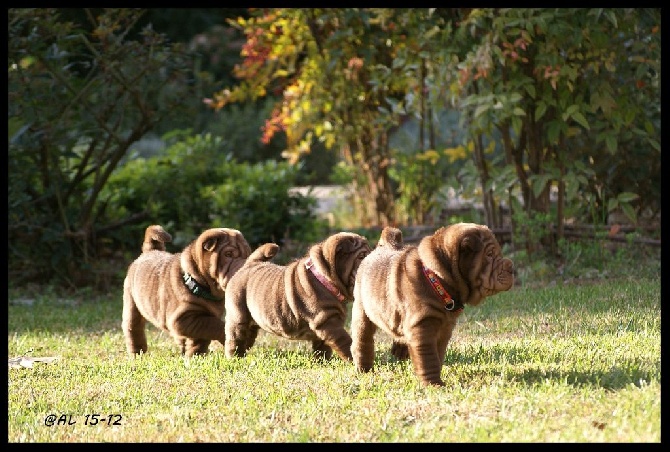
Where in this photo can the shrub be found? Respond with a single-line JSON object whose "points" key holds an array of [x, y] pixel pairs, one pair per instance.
{"points": [[197, 184]]}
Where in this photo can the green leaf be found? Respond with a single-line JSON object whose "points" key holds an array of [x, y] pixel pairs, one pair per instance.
{"points": [[540, 110], [627, 196], [630, 212], [530, 89], [571, 191], [577, 116], [514, 98], [553, 132], [612, 204], [539, 183], [572, 109], [611, 16], [649, 127], [611, 142], [481, 109]]}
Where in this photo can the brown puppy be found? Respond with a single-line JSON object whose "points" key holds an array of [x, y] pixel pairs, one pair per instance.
{"points": [[392, 237], [416, 293], [181, 293], [302, 300]]}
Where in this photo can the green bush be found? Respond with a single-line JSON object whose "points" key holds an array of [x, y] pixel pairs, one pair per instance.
{"points": [[197, 184]]}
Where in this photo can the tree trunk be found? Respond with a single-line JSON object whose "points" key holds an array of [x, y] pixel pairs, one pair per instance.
{"points": [[369, 154]]}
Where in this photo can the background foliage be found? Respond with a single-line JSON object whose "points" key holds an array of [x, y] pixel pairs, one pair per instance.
{"points": [[196, 183], [544, 117]]}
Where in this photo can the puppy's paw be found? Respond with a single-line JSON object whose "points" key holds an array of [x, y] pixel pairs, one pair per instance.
{"points": [[434, 384], [321, 350], [400, 351], [362, 368]]}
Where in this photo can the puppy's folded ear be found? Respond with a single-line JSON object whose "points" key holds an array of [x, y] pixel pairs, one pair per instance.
{"points": [[209, 244], [471, 243], [210, 240], [347, 244]]}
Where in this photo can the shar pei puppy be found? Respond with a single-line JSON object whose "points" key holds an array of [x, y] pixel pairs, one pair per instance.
{"points": [[182, 293], [304, 300], [415, 294]]}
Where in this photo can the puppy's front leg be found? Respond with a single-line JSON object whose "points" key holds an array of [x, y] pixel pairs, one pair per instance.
{"points": [[444, 338], [427, 365], [423, 351]]}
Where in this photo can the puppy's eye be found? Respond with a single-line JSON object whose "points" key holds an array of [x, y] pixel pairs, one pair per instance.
{"points": [[229, 254]]}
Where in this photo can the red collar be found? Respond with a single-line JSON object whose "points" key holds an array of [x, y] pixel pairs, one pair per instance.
{"points": [[309, 265], [450, 304]]}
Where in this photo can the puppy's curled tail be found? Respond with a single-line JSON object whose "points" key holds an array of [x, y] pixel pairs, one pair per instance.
{"points": [[263, 253], [390, 237], [155, 238]]}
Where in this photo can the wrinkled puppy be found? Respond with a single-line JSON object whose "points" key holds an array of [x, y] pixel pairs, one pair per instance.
{"points": [[181, 293], [392, 238], [416, 293], [303, 300]]}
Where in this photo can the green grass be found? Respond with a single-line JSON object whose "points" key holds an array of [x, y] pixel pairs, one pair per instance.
{"points": [[561, 363]]}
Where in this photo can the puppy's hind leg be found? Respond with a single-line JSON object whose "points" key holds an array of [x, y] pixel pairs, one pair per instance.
{"points": [[399, 350], [196, 347], [252, 333], [331, 331], [321, 349], [362, 334], [133, 325], [199, 328], [181, 342], [240, 334]]}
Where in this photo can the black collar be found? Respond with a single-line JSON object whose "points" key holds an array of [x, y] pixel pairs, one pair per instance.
{"points": [[198, 290]]}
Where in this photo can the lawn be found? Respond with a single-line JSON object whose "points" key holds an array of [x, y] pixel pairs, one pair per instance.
{"points": [[566, 362]]}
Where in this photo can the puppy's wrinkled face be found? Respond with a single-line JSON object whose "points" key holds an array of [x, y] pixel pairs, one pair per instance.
{"points": [[220, 252], [350, 250], [481, 261]]}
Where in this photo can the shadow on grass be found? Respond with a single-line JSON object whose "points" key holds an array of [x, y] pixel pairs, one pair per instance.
{"points": [[513, 367]]}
